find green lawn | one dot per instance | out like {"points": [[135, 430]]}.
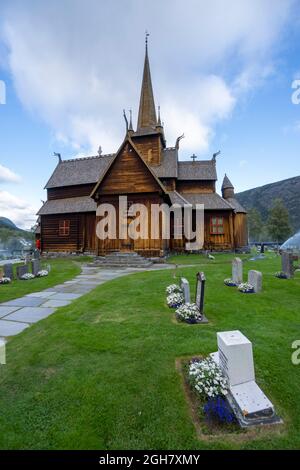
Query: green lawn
{"points": [[100, 373], [62, 269]]}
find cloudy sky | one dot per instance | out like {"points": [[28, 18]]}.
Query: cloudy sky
{"points": [[222, 73]]}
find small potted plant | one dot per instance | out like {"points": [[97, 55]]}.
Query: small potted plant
{"points": [[174, 300], [188, 313], [281, 275], [246, 288], [173, 289], [229, 282]]}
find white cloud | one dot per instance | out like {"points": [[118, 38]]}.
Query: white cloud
{"points": [[8, 176], [17, 210], [78, 64]]}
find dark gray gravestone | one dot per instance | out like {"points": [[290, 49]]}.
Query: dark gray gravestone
{"points": [[287, 264], [200, 289], [35, 266], [8, 271], [21, 270]]}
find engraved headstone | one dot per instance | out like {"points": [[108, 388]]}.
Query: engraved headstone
{"points": [[235, 358], [287, 264], [35, 266], [255, 279], [237, 271], [8, 271], [21, 270], [200, 289], [185, 286]]}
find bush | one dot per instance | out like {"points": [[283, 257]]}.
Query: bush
{"points": [[188, 313], [173, 289], [174, 300], [206, 377]]}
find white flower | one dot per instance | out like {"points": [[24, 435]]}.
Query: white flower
{"points": [[207, 378], [5, 280], [173, 289], [42, 273], [27, 276], [173, 300]]}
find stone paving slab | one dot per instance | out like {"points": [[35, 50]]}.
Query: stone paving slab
{"points": [[52, 303], [65, 296], [30, 314], [6, 310], [24, 302], [42, 294], [11, 328]]}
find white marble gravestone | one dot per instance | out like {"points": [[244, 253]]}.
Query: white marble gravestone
{"points": [[255, 279], [237, 271], [2, 352], [235, 358], [185, 286]]}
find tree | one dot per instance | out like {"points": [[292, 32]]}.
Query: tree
{"points": [[279, 226], [255, 224]]}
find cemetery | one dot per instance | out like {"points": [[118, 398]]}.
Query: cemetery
{"points": [[113, 362]]}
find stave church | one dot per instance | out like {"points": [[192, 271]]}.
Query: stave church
{"points": [[147, 171]]}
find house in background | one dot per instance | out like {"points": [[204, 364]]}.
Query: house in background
{"points": [[146, 171]]}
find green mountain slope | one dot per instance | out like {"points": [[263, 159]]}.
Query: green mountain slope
{"points": [[262, 197]]}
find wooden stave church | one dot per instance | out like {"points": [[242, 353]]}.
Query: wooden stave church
{"points": [[147, 171]]}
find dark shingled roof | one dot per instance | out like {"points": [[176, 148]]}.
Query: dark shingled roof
{"points": [[177, 198], [227, 183], [68, 205], [168, 166], [236, 205], [211, 201], [200, 170], [79, 171]]}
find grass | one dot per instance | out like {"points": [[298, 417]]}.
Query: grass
{"points": [[62, 269], [100, 373]]}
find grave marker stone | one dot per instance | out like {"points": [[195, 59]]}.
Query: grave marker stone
{"points": [[35, 266], [21, 270], [185, 286], [200, 289], [255, 279], [8, 271], [235, 358], [287, 264], [237, 271]]}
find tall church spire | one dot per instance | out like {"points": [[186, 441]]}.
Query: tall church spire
{"points": [[147, 115]]}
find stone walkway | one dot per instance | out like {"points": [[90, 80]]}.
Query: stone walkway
{"points": [[18, 314]]}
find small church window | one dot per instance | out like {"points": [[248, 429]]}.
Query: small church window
{"points": [[64, 228], [217, 225]]}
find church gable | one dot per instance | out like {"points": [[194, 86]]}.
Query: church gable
{"points": [[128, 173]]}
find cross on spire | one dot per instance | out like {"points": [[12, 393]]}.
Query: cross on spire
{"points": [[194, 157]]}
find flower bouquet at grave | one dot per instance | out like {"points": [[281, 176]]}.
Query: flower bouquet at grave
{"points": [[42, 273], [5, 280], [246, 288], [229, 282], [173, 289], [188, 313], [175, 300], [207, 379], [27, 277], [281, 275]]}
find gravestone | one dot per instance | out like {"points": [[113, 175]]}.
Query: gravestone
{"points": [[21, 270], [255, 279], [287, 264], [8, 271], [237, 271], [248, 402], [200, 289], [2, 351], [35, 266], [185, 286]]}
